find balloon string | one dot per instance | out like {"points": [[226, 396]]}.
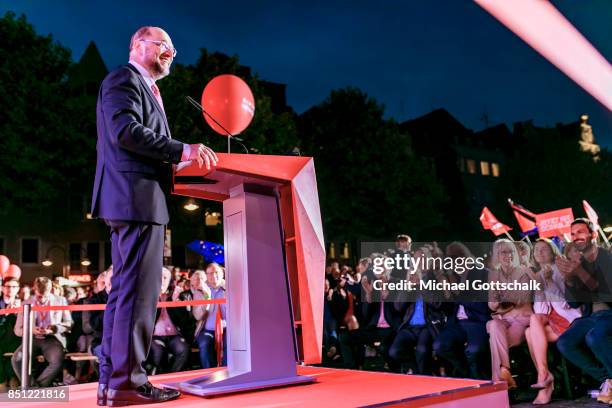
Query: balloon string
{"points": [[230, 136]]}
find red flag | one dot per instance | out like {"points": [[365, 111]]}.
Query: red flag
{"points": [[525, 223], [590, 212], [521, 209], [555, 223], [489, 222]]}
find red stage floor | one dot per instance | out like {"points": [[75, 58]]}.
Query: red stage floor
{"points": [[334, 388]]}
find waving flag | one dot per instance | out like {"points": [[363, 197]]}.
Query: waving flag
{"points": [[522, 210], [556, 222], [525, 223], [590, 212], [489, 222]]}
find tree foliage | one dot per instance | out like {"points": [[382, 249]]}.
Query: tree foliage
{"points": [[550, 172], [371, 186], [46, 135]]}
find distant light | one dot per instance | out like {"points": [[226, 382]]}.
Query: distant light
{"points": [[80, 278], [608, 229], [191, 206], [47, 262], [89, 216], [85, 262]]}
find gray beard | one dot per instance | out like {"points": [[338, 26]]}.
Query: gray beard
{"points": [[160, 71]]}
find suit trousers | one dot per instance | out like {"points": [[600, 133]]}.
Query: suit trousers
{"points": [[163, 346], [463, 344], [52, 350], [129, 317], [413, 344]]}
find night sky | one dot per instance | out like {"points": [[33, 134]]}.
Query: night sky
{"points": [[412, 56]]}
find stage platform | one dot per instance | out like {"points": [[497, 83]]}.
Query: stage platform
{"points": [[334, 388]]}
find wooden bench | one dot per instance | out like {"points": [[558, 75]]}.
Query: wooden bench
{"points": [[81, 357]]}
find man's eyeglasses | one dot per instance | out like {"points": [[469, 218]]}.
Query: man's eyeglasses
{"points": [[163, 46]]}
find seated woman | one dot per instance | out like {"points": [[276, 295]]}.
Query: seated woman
{"points": [[553, 314], [512, 309]]}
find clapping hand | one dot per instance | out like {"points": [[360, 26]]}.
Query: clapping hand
{"points": [[566, 266]]}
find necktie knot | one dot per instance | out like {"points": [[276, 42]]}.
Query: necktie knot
{"points": [[157, 95]]}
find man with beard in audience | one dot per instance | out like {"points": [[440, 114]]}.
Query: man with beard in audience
{"points": [[588, 341]]}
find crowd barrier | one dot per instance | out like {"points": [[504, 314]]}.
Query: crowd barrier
{"points": [[28, 310]]}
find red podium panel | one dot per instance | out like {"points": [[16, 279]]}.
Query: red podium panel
{"points": [[272, 228]]}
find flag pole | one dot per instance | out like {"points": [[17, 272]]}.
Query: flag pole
{"points": [[509, 236], [526, 237], [603, 235]]}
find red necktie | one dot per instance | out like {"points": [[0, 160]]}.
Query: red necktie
{"points": [[155, 90]]}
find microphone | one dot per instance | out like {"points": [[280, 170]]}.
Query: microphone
{"points": [[229, 135]]}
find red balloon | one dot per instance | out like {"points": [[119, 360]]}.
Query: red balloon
{"points": [[13, 271], [4, 264], [229, 100]]}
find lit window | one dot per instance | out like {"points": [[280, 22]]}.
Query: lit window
{"points": [[471, 166], [485, 170], [495, 169]]}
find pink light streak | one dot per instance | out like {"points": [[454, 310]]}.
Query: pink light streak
{"points": [[545, 29]]}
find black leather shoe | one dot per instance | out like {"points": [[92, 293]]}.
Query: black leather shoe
{"points": [[145, 394], [102, 389]]}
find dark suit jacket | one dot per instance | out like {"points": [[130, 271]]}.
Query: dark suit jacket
{"points": [[182, 318], [371, 313], [476, 311], [134, 150]]}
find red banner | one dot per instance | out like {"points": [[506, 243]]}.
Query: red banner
{"points": [[554, 223], [489, 222]]}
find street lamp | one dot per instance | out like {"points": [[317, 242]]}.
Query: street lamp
{"points": [[48, 262], [191, 205], [65, 267]]}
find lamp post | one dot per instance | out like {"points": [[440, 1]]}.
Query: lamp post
{"points": [[65, 264]]}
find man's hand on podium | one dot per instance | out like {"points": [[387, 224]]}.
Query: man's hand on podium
{"points": [[203, 154]]}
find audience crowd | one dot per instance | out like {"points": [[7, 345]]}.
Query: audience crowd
{"points": [[465, 334], [66, 345], [457, 334]]}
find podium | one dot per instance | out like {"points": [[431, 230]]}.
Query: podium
{"points": [[274, 265]]}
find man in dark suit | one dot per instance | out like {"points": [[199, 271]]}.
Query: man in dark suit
{"points": [[135, 150], [463, 343]]}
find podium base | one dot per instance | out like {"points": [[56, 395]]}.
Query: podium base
{"points": [[220, 382]]}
